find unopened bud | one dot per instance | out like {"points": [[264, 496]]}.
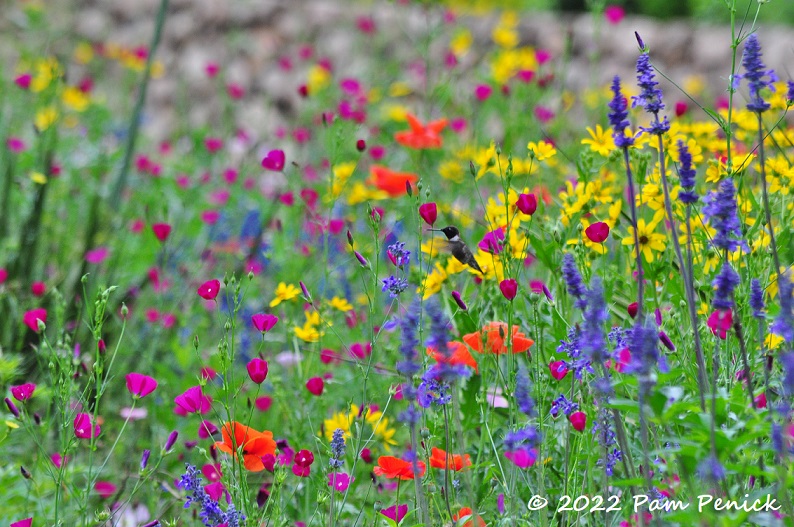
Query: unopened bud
{"points": [[459, 301], [169, 444], [12, 407], [363, 261], [305, 292]]}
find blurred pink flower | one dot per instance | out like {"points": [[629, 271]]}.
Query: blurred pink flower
{"points": [[98, 255], [614, 14]]}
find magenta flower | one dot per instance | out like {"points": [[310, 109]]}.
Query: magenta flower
{"points": [[527, 203], [340, 481], [491, 242], [214, 490], [3, 275], [257, 370], [27, 522], [213, 144], [482, 92], [33, 317], [193, 400], [23, 392], [614, 14], [38, 288], [274, 160], [161, 231], [578, 420], [509, 288], [558, 370], [315, 386], [212, 69], [24, 80], [58, 460], [207, 429], [264, 322], [15, 144], [303, 462], [428, 212], [98, 255], [395, 513], [523, 457], [209, 289], [140, 385], [597, 232], [83, 428], [720, 322], [263, 403], [105, 488]]}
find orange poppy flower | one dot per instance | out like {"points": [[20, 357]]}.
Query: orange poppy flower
{"points": [[458, 354], [465, 513], [389, 181], [494, 334], [420, 135], [441, 459], [253, 444], [394, 467]]}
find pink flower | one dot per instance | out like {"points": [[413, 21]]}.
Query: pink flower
{"points": [[428, 212], [264, 322], [31, 318], [38, 288], [523, 457], [257, 370], [274, 160], [212, 69], [491, 242], [760, 400], [15, 144], [98, 255], [27, 522], [23, 392], [3, 276], [681, 108], [235, 91], [215, 491], [105, 488], [482, 92], [527, 203], [213, 144], [509, 288], [720, 322], [525, 76], [211, 472], [558, 370], [578, 420], [597, 232], [83, 428], [395, 513], [614, 14], [209, 289], [193, 400], [58, 460], [340, 481], [315, 386], [23, 81], [543, 114], [210, 217], [140, 385], [161, 231], [263, 403], [207, 429]]}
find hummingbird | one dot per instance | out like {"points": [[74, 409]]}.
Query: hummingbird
{"points": [[458, 248]]}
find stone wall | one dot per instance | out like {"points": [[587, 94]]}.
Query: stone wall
{"points": [[247, 37]]}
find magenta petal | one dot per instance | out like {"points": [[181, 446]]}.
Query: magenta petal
{"points": [[395, 513], [429, 213], [264, 322], [274, 160], [27, 522], [214, 490], [491, 241], [191, 400], [23, 392], [140, 385], [523, 457]]}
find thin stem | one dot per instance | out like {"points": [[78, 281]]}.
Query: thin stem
{"points": [[637, 254], [767, 212]]}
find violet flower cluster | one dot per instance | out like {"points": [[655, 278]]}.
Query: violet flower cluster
{"points": [[606, 437], [686, 174], [211, 513], [721, 212], [783, 324], [756, 74], [650, 97], [618, 117], [337, 449], [724, 284]]}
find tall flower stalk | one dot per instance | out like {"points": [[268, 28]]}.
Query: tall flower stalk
{"points": [[650, 99]]}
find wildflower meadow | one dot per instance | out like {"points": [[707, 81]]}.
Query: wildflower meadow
{"points": [[443, 290]]}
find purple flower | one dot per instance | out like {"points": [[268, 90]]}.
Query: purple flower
{"points": [[725, 282], [756, 74], [522, 393], [145, 458], [686, 175], [790, 93], [576, 287], [757, 298], [592, 341], [710, 469], [394, 286], [720, 211], [650, 97], [337, 449], [618, 117], [605, 435], [784, 323], [645, 354], [562, 404], [787, 361]]}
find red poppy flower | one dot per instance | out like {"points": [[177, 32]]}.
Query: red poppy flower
{"points": [[465, 514], [392, 467], [494, 334], [252, 444], [421, 136], [389, 181], [441, 459], [457, 353]]}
